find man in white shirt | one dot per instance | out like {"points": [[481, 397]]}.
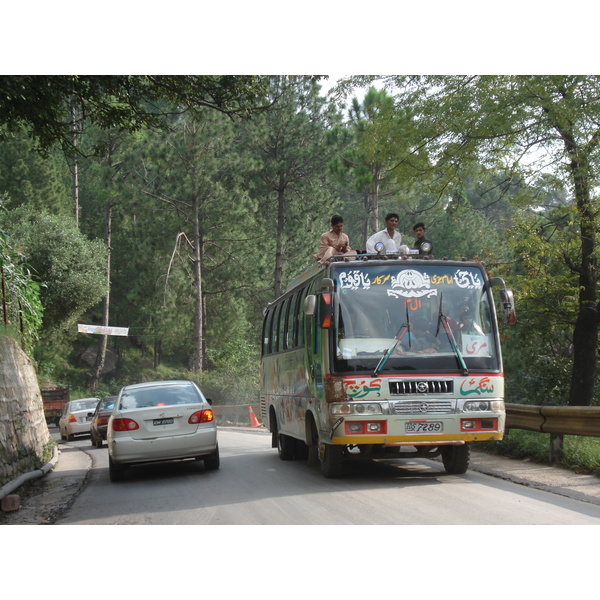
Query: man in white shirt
{"points": [[389, 236]]}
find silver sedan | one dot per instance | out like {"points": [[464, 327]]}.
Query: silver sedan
{"points": [[76, 417], [158, 421]]}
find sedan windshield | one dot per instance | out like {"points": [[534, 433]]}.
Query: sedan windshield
{"points": [[420, 318]]}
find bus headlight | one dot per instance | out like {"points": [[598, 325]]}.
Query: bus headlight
{"points": [[483, 405], [362, 408]]}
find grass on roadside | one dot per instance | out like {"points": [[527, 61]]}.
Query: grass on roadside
{"points": [[579, 454]]}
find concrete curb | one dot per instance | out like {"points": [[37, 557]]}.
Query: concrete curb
{"points": [[11, 486], [52, 495]]}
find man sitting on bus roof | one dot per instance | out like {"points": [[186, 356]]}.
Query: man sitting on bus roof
{"points": [[334, 242], [420, 239], [391, 239]]}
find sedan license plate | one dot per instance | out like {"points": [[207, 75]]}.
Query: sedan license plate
{"points": [[163, 421], [417, 427]]}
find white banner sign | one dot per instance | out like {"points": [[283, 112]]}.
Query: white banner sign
{"points": [[102, 330]]}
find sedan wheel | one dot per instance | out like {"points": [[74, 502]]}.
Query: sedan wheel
{"points": [[115, 472], [213, 461]]}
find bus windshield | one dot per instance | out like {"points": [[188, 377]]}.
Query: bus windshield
{"points": [[413, 318]]}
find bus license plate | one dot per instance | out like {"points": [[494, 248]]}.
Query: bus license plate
{"points": [[163, 421], [416, 427]]}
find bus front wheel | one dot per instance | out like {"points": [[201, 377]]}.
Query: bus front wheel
{"points": [[285, 446], [332, 460], [456, 459]]}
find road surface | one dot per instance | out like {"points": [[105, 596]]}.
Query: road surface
{"points": [[254, 487]]}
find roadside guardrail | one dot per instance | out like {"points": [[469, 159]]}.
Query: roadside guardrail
{"points": [[558, 421]]}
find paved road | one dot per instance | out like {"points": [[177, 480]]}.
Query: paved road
{"points": [[254, 487]]}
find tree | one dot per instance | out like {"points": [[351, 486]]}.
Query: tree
{"points": [[288, 144], [525, 123], [372, 163], [192, 177], [19, 293], [27, 178], [45, 104], [68, 267]]}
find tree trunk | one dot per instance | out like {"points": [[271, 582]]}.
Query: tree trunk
{"points": [[101, 355], [198, 310], [585, 334], [374, 199], [75, 165], [279, 239]]}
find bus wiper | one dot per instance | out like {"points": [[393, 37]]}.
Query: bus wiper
{"points": [[403, 329], [444, 321]]}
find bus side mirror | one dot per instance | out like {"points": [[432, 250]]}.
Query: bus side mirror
{"points": [[507, 302], [310, 305]]}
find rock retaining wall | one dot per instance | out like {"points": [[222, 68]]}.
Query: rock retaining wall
{"points": [[23, 430]]}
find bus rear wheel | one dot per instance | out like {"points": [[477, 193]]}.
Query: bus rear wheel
{"points": [[332, 461], [456, 459]]}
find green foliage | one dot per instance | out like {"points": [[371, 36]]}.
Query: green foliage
{"points": [[42, 104], [233, 380], [68, 268], [540, 350], [285, 150], [20, 294], [28, 178]]}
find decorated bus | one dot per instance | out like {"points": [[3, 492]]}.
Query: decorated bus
{"points": [[384, 358]]}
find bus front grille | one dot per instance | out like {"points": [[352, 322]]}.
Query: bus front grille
{"points": [[411, 407]]}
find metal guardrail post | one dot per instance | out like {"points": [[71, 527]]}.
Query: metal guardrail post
{"points": [[556, 447]]}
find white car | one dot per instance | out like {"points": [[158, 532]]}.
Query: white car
{"points": [[76, 417], [158, 421]]}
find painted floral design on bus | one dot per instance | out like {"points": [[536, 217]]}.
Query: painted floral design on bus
{"points": [[411, 284], [475, 385], [360, 388]]}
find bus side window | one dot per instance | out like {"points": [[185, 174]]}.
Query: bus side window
{"points": [[300, 316], [283, 324], [266, 345], [275, 330], [292, 328]]}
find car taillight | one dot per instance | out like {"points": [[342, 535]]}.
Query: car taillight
{"points": [[72, 419], [124, 425], [102, 420], [202, 416]]}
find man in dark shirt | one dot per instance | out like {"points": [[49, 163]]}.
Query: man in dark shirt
{"points": [[419, 231]]}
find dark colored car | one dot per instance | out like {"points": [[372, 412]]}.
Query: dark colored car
{"points": [[100, 420]]}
